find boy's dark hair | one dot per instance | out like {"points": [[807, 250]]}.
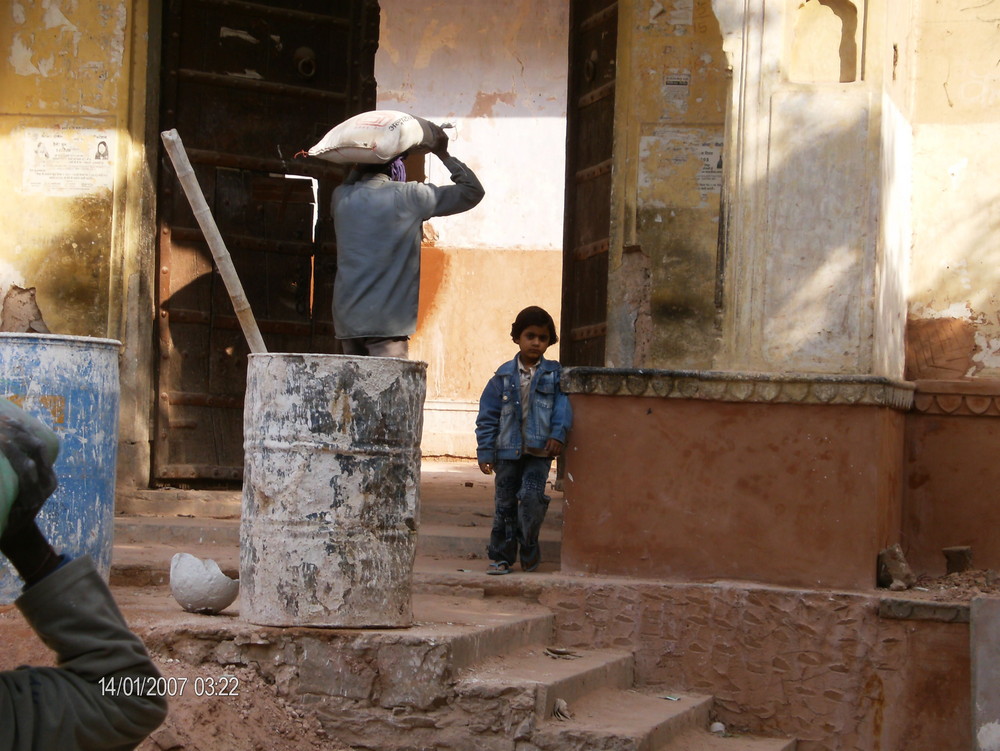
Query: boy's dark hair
{"points": [[533, 316]]}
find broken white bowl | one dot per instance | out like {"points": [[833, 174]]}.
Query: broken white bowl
{"points": [[199, 586]]}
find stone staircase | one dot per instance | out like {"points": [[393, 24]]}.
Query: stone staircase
{"points": [[511, 702], [480, 669], [472, 673]]}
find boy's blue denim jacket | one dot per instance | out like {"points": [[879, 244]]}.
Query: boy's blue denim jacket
{"points": [[498, 426]]}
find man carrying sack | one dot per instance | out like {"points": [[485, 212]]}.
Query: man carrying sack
{"points": [[378, 219]]}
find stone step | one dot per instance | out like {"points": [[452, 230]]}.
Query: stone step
{"points": [[176, 530], [632, 720], [611, 719], [190, 534], [368, 669], [702, 740], [492, 638], [226, 505], [540, 679], [458, 541]]}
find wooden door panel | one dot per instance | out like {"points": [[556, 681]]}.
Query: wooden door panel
{"points": [[247, 86], [590, 139], [592, 217]]}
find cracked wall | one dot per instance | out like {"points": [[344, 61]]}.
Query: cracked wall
{"points": [[64, 76]]}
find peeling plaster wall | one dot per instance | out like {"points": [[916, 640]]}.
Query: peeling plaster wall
{"points": [[956, 247], [670, 108], [77, 203], [63, 78], [498, 71]]}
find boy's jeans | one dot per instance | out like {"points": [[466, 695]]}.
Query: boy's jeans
{"points": [[521, 504]]}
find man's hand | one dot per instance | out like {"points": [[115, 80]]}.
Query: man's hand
{"points": [[486, 468], [553, 447], [35, 479], [439, 147]]}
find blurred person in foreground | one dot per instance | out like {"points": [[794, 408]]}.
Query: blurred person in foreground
{"points": [[83, 703]]}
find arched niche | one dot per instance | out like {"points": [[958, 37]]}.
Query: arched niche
{"points": [[825, 43]]}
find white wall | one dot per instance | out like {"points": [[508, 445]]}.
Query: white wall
{"points": [[498, 71]]}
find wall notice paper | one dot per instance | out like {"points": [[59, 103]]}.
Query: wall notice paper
{"points": [[682, 159], [69, 162]]}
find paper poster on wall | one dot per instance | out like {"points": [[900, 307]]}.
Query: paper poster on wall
{"points": [[682, 163], [677, 89], [68, 162]]}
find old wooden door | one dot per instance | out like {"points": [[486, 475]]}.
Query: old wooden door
{"points": [[590, 111], [247, 86]]}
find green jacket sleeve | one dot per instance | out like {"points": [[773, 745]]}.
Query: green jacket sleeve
{"points": [[68, 707]]}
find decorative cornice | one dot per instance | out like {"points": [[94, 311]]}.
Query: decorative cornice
{"points": [[958, 398], [740, 387]]}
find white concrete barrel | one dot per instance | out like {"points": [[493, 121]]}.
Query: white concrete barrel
{"points": [[331, 490]]}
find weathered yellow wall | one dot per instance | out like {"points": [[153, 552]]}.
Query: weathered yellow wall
{"points": [[64, 83], [78, 228], [955, 279], [670, 109]]}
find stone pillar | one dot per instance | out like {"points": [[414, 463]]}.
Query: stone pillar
{"points": [[809, 284]]}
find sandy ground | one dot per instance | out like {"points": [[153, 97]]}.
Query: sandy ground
{"points": [[246, 714], [959, 587]]}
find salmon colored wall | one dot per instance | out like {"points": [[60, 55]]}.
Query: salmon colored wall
{"points": [[952, 474], [826, 668], [797, 495]]}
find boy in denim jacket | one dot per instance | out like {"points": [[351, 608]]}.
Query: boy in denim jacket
{"points": [[522, 424]]}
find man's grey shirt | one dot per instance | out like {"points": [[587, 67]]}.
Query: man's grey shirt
{"points": [[379, 228]]}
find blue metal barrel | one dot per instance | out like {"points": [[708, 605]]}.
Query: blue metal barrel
{"points": [[70, 383]]}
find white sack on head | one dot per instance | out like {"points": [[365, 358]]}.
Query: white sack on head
{"points": [[374, 137]]}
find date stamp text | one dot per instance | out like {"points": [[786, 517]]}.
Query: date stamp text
{"points": [[144, 685]]}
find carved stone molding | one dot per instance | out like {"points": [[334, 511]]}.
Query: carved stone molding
{"points": [[959, 398], [740, 387]]}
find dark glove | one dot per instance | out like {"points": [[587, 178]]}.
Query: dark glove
{"points": [[35, 479], [22, 542]]}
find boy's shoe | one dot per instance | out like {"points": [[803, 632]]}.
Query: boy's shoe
{"points": [[532, 566], [498, 568]]}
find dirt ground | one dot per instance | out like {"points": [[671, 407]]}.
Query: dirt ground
{"points": [[249, 717], [256, 719], [958, 587]]}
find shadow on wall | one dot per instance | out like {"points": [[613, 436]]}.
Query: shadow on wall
{"points": [[811, 282], [65, 278]]}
